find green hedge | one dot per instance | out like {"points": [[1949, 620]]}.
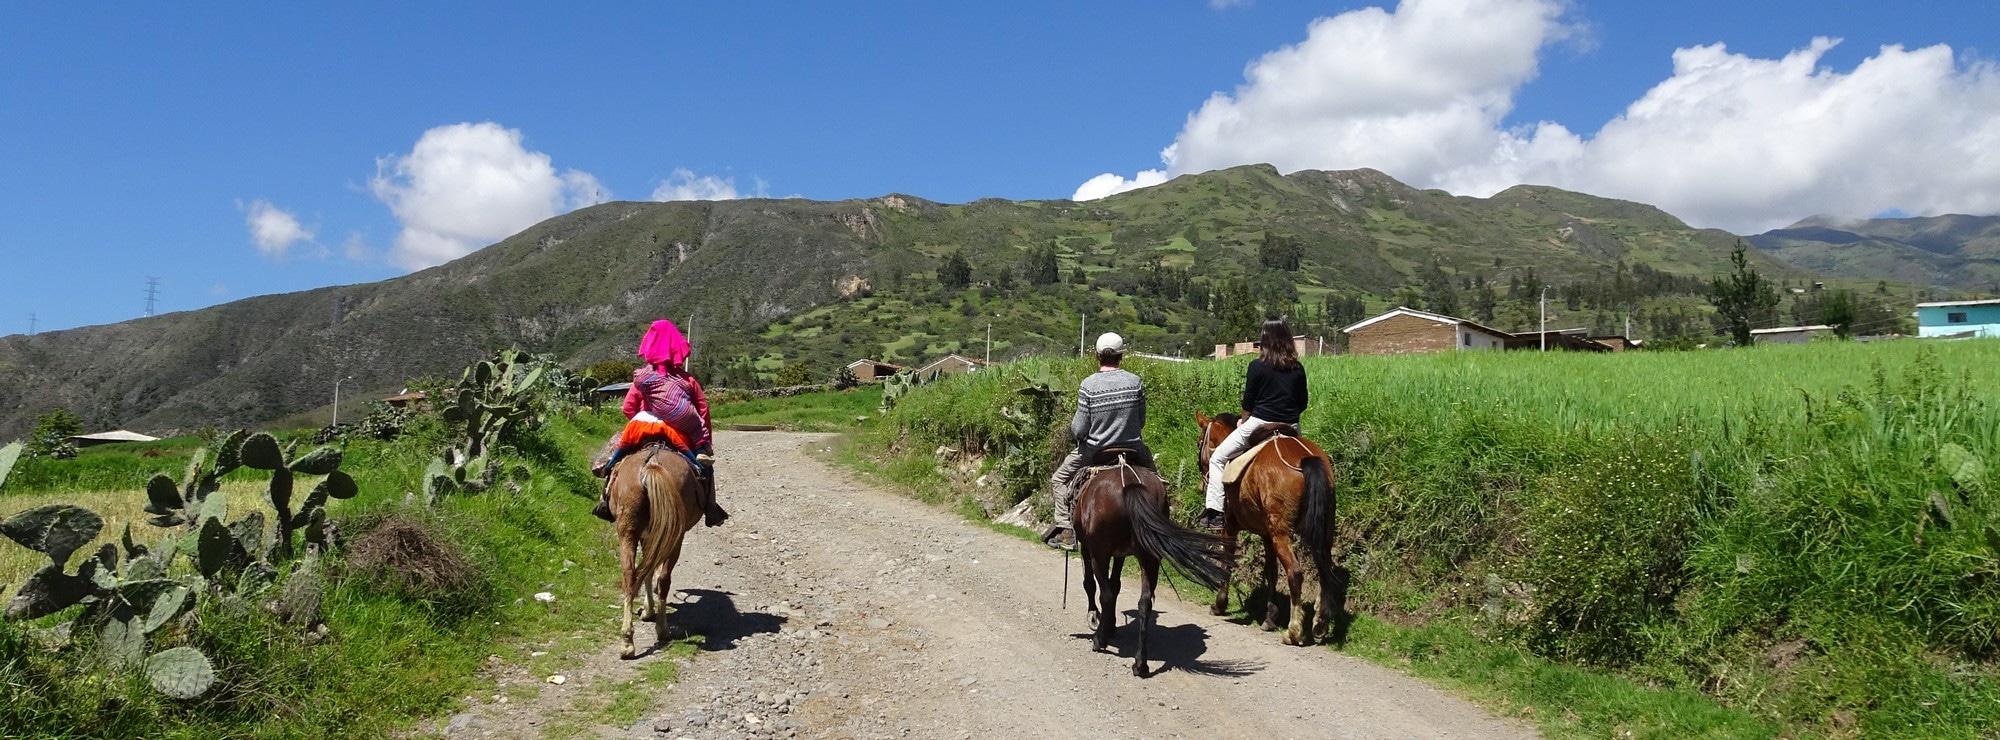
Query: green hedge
{"points": [[1810, 532]]}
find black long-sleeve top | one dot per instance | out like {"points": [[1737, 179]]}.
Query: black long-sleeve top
{"points": [[1274, 395]]}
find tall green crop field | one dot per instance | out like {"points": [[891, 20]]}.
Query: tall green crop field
{"points": [[1810, 532]]}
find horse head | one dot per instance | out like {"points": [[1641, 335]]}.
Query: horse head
{"points": [[1214, 429]]}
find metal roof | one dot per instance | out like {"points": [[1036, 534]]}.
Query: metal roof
{"points": [[115, 435], [1947, 304]]}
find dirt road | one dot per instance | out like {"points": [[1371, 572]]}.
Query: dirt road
{"points": [[833, 609]]}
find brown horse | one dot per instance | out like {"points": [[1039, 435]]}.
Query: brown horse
{"points": [[1286, 493], [654, 499], [1121, 511]]}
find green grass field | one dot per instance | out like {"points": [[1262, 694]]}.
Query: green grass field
{"points": [[1809, 534]]}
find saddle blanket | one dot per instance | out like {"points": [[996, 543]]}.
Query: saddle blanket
{"points": [[1234, 470]]}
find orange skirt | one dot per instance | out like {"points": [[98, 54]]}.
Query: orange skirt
{"points": [[637, 433]]}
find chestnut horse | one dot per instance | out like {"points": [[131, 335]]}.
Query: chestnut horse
{"points": [[1121, 511], [1286, 493], [655, 503]]}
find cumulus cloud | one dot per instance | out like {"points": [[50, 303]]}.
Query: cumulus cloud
{"points": [[467, 185], [274, 230], [1423, 92], [356, 248], [684, 184], [1111, 184], [1226, 4]]}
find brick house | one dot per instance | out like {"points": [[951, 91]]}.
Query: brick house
{"points": [[1406, 330], [952, 363], [1303, 344], [870, 371]]}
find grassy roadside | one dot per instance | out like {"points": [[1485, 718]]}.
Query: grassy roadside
{"points": [[1562, 701], [394, 652], [832, 411]]}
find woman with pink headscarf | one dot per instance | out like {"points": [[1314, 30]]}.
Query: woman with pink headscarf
{"points": [[665, 403]]}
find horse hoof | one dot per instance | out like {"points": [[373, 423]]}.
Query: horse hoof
{"points": [[1268, 626], [1139, 669], [1218, 611], [628, 653], [1299, 640], [1093, 621]]}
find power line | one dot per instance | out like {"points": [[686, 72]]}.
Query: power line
{"points": [[152, 293]]}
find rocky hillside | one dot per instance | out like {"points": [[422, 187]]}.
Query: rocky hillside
{"points": [[772, 283]]}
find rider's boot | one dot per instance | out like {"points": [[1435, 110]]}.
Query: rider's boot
{"points": [[1210, 520], [603, 510], [1060, 537], [712, 514]]}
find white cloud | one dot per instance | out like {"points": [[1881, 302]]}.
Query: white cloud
{"points": [[273, 229], [1110, 184], [467, 185], [1422, 93], [684, 184], [356, 248], [1226, 4]]}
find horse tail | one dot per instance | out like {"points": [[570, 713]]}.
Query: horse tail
{"points": [[1314, 524], [663, 513], [1195, 553]]}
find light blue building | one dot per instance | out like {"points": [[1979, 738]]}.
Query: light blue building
{"points": [[1952, 318]]}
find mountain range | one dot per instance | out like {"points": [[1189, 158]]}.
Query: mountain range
{"points": [[764, 284]]}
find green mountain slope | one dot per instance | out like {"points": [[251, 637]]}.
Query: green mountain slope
{"points": [[1954, 251], [766, 283]]}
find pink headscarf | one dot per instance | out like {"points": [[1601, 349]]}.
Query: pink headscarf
{"points": [[664, 345]]}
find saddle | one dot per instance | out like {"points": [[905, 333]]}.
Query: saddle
{"points": [[1261, 438]]}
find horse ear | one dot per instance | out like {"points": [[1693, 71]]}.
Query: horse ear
{"points": [[1200, 418]]}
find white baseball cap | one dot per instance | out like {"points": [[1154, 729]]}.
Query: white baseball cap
{"points": [[1110, 342]]}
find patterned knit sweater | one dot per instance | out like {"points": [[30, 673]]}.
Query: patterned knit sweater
{"points": [[1110, 412]]}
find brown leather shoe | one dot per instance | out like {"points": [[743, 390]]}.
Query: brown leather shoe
{"points": [[1060, 537]]}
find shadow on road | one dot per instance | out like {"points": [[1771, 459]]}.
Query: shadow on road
{"points": [[1176, 647], [713, 615]]}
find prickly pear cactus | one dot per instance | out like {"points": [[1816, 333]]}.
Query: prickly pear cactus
{"points": [[9, 455], [182, 672], [56, 530]]}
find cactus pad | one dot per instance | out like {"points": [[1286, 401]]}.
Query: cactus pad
{"points": [[56, 530], [261, 451], [318, 462], [182, 672]]}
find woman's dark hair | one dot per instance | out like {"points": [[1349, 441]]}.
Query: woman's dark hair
{"points": [[1275, 347]]}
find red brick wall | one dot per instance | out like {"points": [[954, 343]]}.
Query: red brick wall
{"points": [[1398, 335]]}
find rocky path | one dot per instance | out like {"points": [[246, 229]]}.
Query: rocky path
{"points": [[832, 609]]}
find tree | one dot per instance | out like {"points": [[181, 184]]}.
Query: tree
{"points": [[1741, 297], [796, 372], [1484, 302], [1838, 310], [1005, 280], [1440, 296], [1043, 267], [955, 273], [52, 433], [1280, 252]]}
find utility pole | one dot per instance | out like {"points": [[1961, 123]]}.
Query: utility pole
{"points": [[152, 293], [989, 342], [1081, 319], [31, 324], [1543, 330]]}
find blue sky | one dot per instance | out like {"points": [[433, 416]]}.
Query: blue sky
{"points": [[142, 140]]}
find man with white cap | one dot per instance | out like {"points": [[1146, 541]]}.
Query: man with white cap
{"points": [[1110, 414]]}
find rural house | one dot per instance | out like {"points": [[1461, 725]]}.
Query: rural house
{"points": [[105, 438], [1303, 344], [1789, 334], [1954, 318], [951, 363], [1564, 340], [870, 371], [1406, 330]]}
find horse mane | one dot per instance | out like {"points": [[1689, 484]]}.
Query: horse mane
{"points": [[1228, 417]]}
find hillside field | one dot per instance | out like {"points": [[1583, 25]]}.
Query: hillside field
{"points": [[1810, 533]]}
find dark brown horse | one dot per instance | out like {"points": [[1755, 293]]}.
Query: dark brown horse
{"points": [[1285, 495], [655, 502], [1122, 511]]}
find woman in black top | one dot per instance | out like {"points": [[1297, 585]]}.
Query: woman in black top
{"points": [[1274, 391]]}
